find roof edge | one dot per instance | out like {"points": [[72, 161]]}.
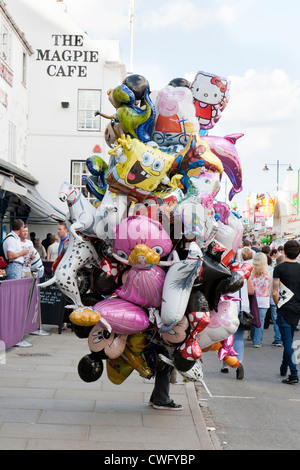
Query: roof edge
{"points": [[16, 29], [12, 170]]}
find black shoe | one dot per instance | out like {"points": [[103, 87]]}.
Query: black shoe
{"points": [[240, 372], [168, 406], [224, 370], [283, 371], [292, 379]]}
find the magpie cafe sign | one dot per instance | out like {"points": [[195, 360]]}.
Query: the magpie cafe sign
{"points": [[70, 59]]}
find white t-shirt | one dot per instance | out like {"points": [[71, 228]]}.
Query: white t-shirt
{"points": [[13, 244], [27, 245], [53, 251], [245, 299], [271, 269]]}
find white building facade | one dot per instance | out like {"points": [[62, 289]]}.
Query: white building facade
{"points": [[69, 75], [15, 53]]}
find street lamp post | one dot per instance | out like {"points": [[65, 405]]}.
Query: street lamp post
{"points": [[277, 164]]}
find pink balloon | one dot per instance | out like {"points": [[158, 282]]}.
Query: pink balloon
{"points": [[124, 317], [143, 286], [227, 348], [140, 229], [224, 149]]}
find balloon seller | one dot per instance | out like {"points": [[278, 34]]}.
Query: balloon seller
{"points": [[153, 287]]}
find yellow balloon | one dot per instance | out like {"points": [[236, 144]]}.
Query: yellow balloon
{"points": [[138, 363], [85, 316], [137, 342], [139, 169], [142, 254], [118, 370], [232, 361]]}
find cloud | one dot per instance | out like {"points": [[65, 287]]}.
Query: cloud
{"points": [[262, 97], [100, 19], [188, 15]]}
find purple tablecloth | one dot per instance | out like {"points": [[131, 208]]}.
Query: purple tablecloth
{"points": [[14, 321]]}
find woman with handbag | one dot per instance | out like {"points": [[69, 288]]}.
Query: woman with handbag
{"points": [[262, 282]]}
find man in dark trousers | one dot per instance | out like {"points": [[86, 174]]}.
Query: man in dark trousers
{"points": [[286, 295]]}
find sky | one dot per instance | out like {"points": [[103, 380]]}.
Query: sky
{"points": [[253, 43]]}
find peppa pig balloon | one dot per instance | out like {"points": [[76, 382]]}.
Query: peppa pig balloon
{"points": [[175, 116]]}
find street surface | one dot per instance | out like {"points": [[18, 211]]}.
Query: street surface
{"points": [[258, 412]]}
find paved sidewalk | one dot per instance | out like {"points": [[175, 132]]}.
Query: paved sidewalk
{"points": [[44, 405]]}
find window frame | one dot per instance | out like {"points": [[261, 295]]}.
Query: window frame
{"points": [[81, 110], [82, 187]]}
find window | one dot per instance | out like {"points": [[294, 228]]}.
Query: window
{"points": [[89, 101], [78, 170], [5, 44], [12, 143]]}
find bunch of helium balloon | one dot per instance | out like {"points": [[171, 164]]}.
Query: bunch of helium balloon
{"points": [[157, 270]]}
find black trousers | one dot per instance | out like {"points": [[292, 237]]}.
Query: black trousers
{"points": [[160, 394]]}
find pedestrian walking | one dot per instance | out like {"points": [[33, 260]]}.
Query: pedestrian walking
{"points": [[262, 282], [273, 313], [286, 295]]}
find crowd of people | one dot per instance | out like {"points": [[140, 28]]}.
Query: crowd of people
{"points": [[19, 249], [270, 294], [274, 283]]}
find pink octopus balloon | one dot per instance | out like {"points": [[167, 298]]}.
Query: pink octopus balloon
{"points": [[143, 286], [124, 317], [141, 242]]}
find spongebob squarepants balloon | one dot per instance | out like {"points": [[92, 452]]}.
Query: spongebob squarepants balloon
{"points": [[139, 168]]}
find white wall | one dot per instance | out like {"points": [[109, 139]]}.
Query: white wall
{"points": [[53, 139], [14, 101]]}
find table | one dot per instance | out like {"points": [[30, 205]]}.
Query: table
{"points": [[17, 319]]}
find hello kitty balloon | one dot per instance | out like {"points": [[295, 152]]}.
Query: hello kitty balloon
{"points": [[210, 94]]}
